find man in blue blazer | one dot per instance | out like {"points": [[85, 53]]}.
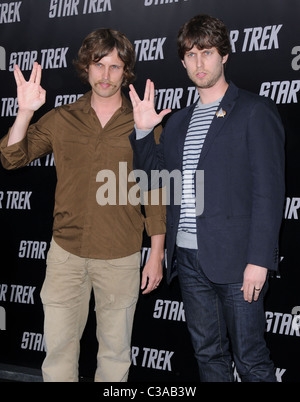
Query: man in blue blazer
{"points": [[222, 253]]}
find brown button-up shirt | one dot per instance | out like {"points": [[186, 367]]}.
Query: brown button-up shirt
{"points": [[82, 148]]}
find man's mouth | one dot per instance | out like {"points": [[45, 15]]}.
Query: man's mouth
{"points": [[104, 84], [200, 75]]}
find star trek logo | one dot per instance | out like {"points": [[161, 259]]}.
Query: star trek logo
{"points": [[159, 2], [10, 12], [292, 206], [221, 113]]}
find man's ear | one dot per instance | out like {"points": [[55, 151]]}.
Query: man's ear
{"points": [[225, 58]]}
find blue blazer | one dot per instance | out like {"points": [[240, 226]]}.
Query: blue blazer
{"points": [[243, 163]]}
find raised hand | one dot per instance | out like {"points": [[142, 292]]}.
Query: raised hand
{"points": [[145, 116], [31, 96]]}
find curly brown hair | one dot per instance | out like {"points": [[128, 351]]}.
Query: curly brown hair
{"points": [[204, 32], [99, 44]]}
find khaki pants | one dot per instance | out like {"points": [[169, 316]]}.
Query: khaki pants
{"points": [[65, 295]]}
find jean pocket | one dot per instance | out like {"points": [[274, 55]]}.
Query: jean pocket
{"points": [[56, 254]]}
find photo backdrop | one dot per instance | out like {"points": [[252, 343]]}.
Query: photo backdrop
{"points": [[265, 59]]}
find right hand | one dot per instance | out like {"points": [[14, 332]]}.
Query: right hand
{"points": [[145, 116], [31, 96]]}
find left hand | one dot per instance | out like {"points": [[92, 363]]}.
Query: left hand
{"points": [[254, 280], [145, 116], [152, 273]]}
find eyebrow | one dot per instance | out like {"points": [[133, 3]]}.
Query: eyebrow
{"points": [[201, 49], [112, 64]]}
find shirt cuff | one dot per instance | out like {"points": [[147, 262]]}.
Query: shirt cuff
{"points": [[141, 133], [13, 156], [155, 225]]}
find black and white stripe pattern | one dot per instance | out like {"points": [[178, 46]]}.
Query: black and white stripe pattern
{"points": [[198, 128]]}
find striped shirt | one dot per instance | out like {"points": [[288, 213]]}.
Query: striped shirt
{"points": [[195, 137]]}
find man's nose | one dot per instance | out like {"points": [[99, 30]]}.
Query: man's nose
{"points": [[105, 73], [199, 60]]}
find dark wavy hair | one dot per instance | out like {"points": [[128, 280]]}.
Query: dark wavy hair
{"points": [[99, 44], [204, 32]]}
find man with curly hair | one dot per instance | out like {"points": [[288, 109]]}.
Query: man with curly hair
{"points": [[96, 244]]}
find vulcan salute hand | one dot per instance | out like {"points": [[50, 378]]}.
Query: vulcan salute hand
{"points": [[144, 113], [31, 96]]}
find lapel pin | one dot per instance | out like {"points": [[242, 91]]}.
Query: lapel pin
{"points": [[221, 113]]}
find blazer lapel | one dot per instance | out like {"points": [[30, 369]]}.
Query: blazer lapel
{"points": [[182, 131], [217, 123]]}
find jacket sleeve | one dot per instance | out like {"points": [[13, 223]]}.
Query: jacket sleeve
{"points": [[154, 197], [146, 152], [265, 135]]}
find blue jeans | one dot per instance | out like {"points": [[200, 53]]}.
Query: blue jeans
{"points": [[223, 325]]}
